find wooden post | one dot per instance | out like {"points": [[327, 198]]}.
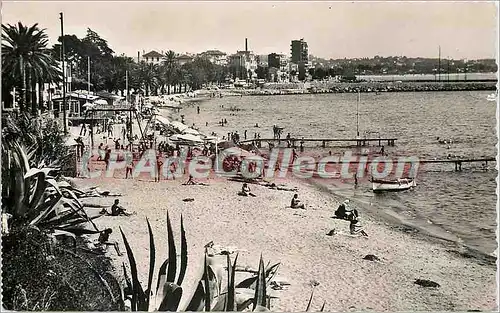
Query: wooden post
{"points": [[92, 130], [379, 142], [324, 144]]}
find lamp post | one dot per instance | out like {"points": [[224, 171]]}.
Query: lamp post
{"points": [[63, 73]]}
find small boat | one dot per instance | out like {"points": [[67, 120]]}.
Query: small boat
{"points": [[380, 185]]}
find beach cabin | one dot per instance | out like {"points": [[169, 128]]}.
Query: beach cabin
{"points": [[75, 103]]}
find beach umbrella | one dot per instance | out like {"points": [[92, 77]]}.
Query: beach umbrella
{"points": [[189, 137], [178, 125], [162, 120], [190, 131], [101, 102], [237, 151]]}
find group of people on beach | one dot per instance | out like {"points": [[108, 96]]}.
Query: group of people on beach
{"points": [[345, 212]]}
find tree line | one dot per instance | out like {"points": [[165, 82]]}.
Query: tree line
{"points": [[28, 61]]}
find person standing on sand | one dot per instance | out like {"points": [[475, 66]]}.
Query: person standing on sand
{"points": [[159, 163], [198, 109], [107, 156], [129, 166]]}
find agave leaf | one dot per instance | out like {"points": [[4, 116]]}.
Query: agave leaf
{"points": [[172, 294], [260, 288], [251, 281], [47, 208], [310, 301], [53, 183], [34, 175], [127, 279], [230, 283], [23, 157], [172, 254], [162, 274], [323, 307], [197, 300], [138, 297], [184, 256], [152, 253], [220, 304], [18, 188], [77, 231], [242, 304], [260, 308], [206, 282]]}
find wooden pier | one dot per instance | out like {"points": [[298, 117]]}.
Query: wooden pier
{"points": [[360, 142], [458, 162]]}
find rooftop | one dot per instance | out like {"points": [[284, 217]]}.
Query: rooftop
{"points": [[153, 54]]}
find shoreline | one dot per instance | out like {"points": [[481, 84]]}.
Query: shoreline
{"points": [[425, 230], [363, 87]]}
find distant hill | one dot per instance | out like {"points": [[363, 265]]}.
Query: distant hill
{"points": [[401, 65]]}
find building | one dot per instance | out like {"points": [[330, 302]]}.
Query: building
{"points": [[300, 56], [215, 56], [184, 58], [262, 60], [273, 60], [152, 57], [299, 51]]}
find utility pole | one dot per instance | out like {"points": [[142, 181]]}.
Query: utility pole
{"points": [[88, 77], [439, 64], [448, 71], [63, 72]]}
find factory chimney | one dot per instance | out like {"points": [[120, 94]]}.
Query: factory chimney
{"points": [[246, 44]]}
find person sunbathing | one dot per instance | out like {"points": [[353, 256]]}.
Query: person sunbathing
{"points": [[117, 210], [276, 187], [191, 181], [104, 240], [356, 228], [245, 191], [295, 204]]}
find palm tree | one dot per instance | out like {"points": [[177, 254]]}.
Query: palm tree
{"points": [[26, 59], [170, 64], [147, 75]]}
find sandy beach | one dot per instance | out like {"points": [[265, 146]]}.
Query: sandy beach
{"points": [[297, 239]]}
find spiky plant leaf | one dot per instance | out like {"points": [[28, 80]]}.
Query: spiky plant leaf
{"points": [[152, 253], [310, 301], [172, 254], [172, 294], [138, 297], [197, 301], [260, 288], [206, 281], [323, 307], [184, 255], [162, 278], [230, 284]]}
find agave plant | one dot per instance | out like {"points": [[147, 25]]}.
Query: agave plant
{"points": [[32, 197], [208, 294]]}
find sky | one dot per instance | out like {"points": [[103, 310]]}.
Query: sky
{"points": [[464, 30]]}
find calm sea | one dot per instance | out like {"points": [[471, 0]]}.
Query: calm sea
{"points": [[459, 206]]}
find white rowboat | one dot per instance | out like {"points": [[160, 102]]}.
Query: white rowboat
{"points": [[379, 185]]}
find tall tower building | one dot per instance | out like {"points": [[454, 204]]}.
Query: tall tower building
{"points": [[300, 52]]}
